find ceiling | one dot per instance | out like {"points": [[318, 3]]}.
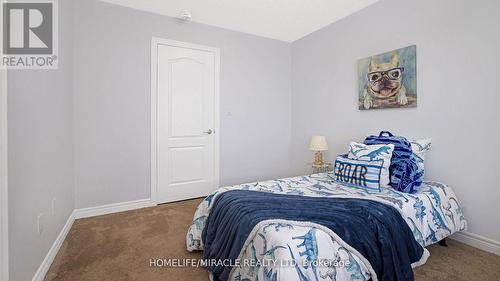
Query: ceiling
{"points": [[286, 20]]}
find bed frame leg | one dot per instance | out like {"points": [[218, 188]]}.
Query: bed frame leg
{"points": [[443, 243]]}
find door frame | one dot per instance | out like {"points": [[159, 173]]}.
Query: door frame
{"points": [[4, 208], [155, 42]]}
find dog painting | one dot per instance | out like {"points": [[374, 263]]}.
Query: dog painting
{"points": [[388, 80]]}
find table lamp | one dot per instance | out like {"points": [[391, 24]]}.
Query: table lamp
{"points": [[318, 144]]}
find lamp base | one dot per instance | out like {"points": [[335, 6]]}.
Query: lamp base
{"points": [[318, 158]]}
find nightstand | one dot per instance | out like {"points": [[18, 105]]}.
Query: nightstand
{"points": [[323, 168]]}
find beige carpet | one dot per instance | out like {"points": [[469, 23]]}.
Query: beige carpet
{"points": [[120, 246]]}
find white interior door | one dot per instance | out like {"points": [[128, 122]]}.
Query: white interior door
{"points": [[187, 88]]}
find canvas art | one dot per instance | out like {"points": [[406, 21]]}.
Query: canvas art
{"points": [[388, 80]]}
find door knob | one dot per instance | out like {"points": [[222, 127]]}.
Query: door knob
{"points": [[209, 131]]}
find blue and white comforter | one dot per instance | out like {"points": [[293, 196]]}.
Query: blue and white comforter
{"points": [[432, 214]]}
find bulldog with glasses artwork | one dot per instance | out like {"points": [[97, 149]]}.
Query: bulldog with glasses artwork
{"points": [[388, 80]]}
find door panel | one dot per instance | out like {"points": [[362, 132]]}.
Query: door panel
{"points": [[186, 165], [187, 98]]}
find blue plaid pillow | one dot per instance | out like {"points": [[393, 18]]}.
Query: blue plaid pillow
{"points": [[358, 173], [406, 175]]}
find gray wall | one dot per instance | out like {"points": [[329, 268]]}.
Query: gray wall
{"points": [[40, 120], [112, 97], [458, 65]]}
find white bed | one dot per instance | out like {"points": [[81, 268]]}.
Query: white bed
{"points": [[432, 214]]}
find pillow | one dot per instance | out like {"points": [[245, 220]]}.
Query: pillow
{"points": [[360, 151], [358, 173], [406, 175], [419, 148]]}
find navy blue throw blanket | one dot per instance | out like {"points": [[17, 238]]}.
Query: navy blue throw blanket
{"points": [[374, 229]]}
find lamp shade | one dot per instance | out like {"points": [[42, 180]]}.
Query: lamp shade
{"points": [[318, 143]]}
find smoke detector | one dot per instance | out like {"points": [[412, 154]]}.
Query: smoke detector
{"points": [[184, 16]]}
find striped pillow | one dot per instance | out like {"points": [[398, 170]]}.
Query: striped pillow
{"points": [[358, 173], [361, 151]]}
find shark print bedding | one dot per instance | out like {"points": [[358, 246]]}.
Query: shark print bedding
{"points": [[432, 214]]}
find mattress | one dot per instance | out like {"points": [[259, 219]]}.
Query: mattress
{"points": [[432, 214]]}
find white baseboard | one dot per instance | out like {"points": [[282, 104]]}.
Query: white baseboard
{"points": [[112, 208], [477, 241], [49, 258]]}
